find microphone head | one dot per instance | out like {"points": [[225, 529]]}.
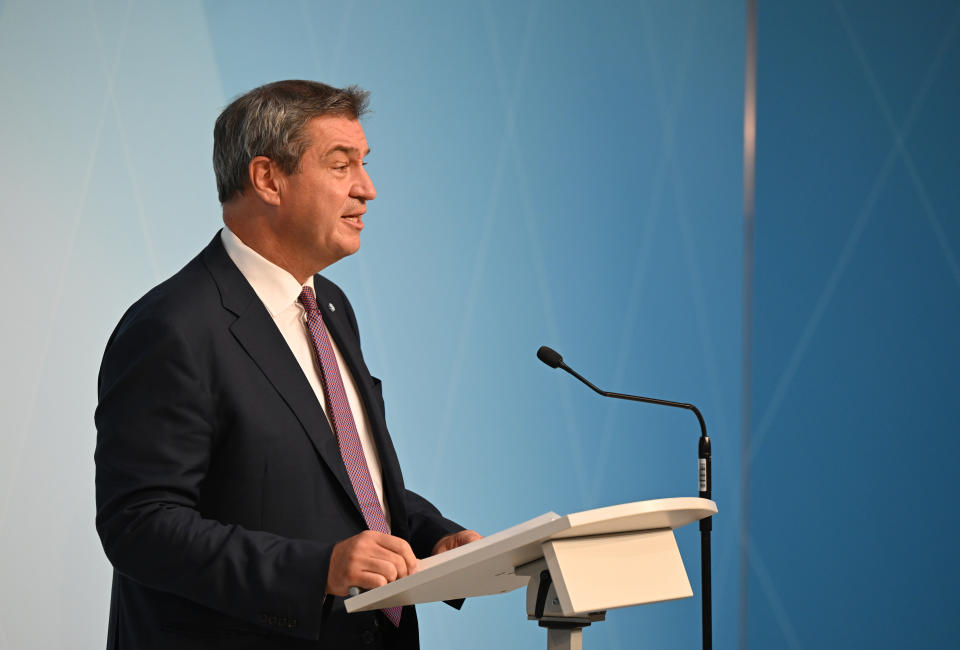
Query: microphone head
{"points": [[549, 356]]}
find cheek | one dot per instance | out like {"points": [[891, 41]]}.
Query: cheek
{"points": [[330, 202]]}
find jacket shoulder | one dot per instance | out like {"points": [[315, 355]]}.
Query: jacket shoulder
{"points": [[184, 297]]}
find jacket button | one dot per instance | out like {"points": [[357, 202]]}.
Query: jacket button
{"points": [[367, 637]]}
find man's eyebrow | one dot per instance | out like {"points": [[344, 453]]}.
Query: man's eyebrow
{"points": [[350, 151]]}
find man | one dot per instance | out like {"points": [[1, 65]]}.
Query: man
{"points": [[245, 476]]}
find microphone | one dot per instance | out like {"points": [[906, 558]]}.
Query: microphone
{"points": [[553, 359], [550, 357]]}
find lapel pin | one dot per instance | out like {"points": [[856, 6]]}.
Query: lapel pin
{"points": [[330, 305]]}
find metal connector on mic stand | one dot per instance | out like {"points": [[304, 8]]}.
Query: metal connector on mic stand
{"points": [[553, 359]]}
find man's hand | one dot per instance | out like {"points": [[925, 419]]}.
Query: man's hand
{"points": [[369, 560], [451, 542]]}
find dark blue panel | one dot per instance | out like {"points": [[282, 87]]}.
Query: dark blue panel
{"points": [[857, 309]]}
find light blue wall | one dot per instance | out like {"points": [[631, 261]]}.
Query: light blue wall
{"points": [[857, 312], [548, 173]]}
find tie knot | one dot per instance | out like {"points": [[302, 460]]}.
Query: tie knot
{"points": [[308, 300]]}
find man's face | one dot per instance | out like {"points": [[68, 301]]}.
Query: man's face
{"points": [[322, 205]]}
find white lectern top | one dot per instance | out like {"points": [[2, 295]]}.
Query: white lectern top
{"points": [[487, 565]]}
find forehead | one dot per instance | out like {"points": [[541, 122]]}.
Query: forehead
{"points": [[332, 133]]}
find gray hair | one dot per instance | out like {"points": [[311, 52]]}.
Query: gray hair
{"points": [[271, 121]]}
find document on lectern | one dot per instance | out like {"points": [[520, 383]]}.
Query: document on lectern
{"points": [[487, 566]]}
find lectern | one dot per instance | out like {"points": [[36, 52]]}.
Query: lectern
{"points": [[575, 567]]}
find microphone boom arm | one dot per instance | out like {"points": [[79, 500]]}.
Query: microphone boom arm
{"points": [[638, 398]]}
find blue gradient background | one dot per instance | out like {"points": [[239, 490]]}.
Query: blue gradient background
{"points": [[548, 173]]}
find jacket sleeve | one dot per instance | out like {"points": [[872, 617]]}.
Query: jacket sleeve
{"points": [[427, 527], [426, 524], [155, 434]]}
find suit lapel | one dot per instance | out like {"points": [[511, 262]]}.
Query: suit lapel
{"points": [[256, 332]]}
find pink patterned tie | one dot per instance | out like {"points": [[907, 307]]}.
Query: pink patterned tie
{"points": [[344, 426]]}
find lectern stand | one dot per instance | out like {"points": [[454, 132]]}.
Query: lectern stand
{"points": [[575, 567]]}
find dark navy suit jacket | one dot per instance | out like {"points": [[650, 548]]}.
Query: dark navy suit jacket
{"points": [[220, 487]]}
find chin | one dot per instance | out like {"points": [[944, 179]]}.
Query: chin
{"points": [[347, 250], [352, 247]]}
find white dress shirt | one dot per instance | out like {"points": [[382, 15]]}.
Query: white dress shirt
{"points": [[279, 292]]}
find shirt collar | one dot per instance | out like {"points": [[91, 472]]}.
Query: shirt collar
{"points": [[275, 287]]}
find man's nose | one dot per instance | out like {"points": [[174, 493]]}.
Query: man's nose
{"points": [[363, 188]]}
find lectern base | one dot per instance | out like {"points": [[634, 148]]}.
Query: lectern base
{"points": [[543, 606], [565, 639]]}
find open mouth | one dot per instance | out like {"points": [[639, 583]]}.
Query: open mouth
{"points": [[354, 219]]}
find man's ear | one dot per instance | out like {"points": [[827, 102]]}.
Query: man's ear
{"points": [[265, 179]]}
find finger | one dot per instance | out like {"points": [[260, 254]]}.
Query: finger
{"points": [[398, 568], [455, 540], [369, 573], [401, 548], [468, 536], [384, 554], [370, 580], [383, 567]]}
